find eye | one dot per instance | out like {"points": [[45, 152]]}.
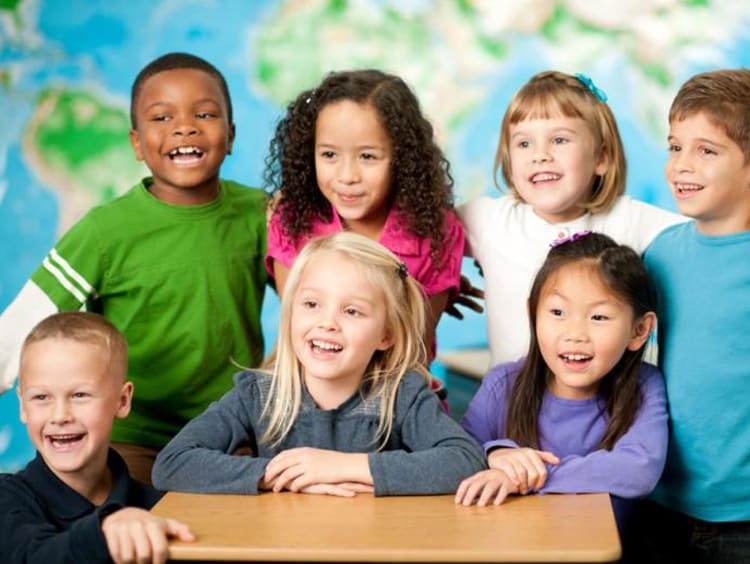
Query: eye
{"points": [[205, 115], [560, 140], [707, 151], [368, 156], [309, 304], [161, 117], [600, 317], [80, 395], [39, 397], [674, 148], [523, 144], [353, 312], [555, 312], [327, 154]]}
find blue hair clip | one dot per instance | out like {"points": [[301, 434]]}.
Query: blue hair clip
{"points": [[593, 88], [577, 236]]}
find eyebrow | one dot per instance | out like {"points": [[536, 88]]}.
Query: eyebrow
{"points": [[556, 130], [195, 103]]}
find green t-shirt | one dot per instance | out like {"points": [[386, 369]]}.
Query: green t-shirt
{"points": [[184, 284]]}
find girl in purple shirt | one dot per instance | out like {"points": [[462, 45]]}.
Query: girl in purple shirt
{"points": [[356, 154], [582, 412]]}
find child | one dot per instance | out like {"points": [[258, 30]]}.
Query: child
{"points": [[176, 263], [702, 271], [355, 153], [582, 412], [562, 159], [75, 502], [346, 407]]}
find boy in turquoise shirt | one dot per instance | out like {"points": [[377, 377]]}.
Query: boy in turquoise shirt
{"points": [[176, 263], [700, 510]]}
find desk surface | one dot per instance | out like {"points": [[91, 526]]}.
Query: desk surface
{"points": [[299, 527]]}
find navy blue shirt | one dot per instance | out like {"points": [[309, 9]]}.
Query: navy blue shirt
{"points": [[44, 520]]}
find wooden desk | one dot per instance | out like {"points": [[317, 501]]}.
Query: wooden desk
{"points": [[312, 528]]}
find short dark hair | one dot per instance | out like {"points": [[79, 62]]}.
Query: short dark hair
{"points": [[724, 96], [174, 61]]}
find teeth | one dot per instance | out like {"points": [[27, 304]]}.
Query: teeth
{"points": [[185, 151], [327, 346], [576, 357], [688, 187], [544, 177]]}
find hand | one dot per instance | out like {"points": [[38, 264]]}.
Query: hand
{"points": [[465, 297], [485, 486], [344, 489], [135, 535], [297, 468], [525, 466]]}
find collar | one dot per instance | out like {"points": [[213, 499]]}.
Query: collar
{"points": [[64, 502], [394, 235]]}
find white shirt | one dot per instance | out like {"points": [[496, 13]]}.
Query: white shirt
{"points": [[510, 242]]}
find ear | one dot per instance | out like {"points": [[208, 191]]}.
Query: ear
{"points": [[124, 400], [22, 409], [232, 133], [603, 165], [386, 342], [135, 142], [642, 328]]}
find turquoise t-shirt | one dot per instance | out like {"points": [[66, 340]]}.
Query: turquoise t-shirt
{"points": [[704, 344], [184, 284]]}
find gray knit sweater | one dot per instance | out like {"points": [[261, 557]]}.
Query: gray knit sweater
{"points": [[427, 452]]}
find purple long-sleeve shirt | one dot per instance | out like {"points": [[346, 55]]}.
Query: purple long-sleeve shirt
{"points": [[572, 430]]}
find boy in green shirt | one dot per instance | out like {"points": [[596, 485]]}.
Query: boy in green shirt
{"points": [[176, 263]]}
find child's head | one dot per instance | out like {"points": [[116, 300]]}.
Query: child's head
{"points": [[181, 118], [72, 386], [560, 150], [591, 310], [709, 142], [358, 145], [351, 319]]}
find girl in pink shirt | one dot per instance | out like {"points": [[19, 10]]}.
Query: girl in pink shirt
{"points": [[356, 154]]}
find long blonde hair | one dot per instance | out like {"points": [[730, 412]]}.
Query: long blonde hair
{"points": [[405, 323], [552, 93]]}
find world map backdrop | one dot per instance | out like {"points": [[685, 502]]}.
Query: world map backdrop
{"points": [[66, 67]]}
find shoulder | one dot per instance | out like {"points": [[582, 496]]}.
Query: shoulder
{"points": [[650, 377], [126, 204], [485, 205], [671, 236], [16, 492], [501, 377], [256, 383], [251, 196]]}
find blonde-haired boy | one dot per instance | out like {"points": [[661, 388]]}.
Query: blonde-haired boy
{"points": [[76, 502]]}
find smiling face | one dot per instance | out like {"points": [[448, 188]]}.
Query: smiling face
{"points": [[709, 176], [353, 155], [336, 327], [583, 329], [553, 165], [183, 134], [69, 399]]}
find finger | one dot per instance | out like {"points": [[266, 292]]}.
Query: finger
{"points": [[284, 479], [461, 491], [179, 530], [474, 489], [141, 542], [126, 547], [453, 312], [548, 457], [502, 493], [358, 487], [156, 549], [488, 492]]}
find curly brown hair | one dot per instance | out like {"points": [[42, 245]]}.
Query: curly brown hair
{"points": [[421, 183]]}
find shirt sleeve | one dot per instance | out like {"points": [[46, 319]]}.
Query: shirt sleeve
{"points": [[448, 275], [633, 466], [27, 309], [27, 536], [473, 217], [484, 419], [199, 458], [433, 454], [280, 248]]}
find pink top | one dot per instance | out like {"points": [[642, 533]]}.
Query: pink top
{"points": [[413, 251]]}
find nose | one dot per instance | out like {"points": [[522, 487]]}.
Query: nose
{"points": [[541, 154], [61, 412], [185, 125], [575, 331], [680, 161], [327, 320], [349, 171]]}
